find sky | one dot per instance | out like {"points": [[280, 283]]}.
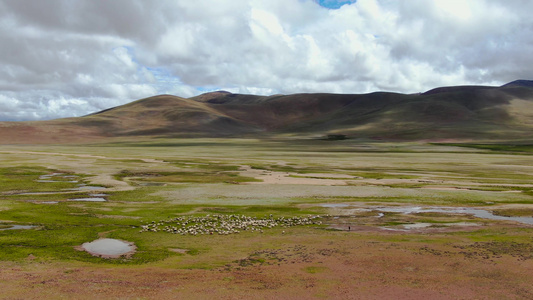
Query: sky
{"points": [[64, 58]]}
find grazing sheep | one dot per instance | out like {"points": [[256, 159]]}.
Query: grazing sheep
{"points": [[225, 224]]}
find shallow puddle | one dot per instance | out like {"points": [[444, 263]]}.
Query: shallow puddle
{"points": [[58, 177], [15, 227], [415, 226], [109, 248], [88, 188], [151, 183], [335, 205], [44, 181], [96, 199]]}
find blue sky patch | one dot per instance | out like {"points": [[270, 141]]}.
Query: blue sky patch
{"points": [[334, 4]]}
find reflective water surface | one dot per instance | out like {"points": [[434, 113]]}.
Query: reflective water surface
{"points": [[476, 212], [14, 227], [108, 247]]}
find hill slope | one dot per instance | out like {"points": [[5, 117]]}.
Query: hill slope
{"points": [[459, 112]]}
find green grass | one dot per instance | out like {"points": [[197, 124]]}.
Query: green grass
{"points": [[196, 179], [315, 269], [223, 175], [522, 148], [58, 243], [140, 194], [516, 212], [24, 178]]}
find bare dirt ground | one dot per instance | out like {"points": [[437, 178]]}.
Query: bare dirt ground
{"points": [[274, 177], [352, 266]]}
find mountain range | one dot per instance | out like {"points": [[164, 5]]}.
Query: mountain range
{"points": [[445, 113]]}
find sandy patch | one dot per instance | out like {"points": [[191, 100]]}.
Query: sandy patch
{"points": [[445, 188], [512, 206], [116, 217], [108, 180], [327, 176], [391, 181], [274, 177], [176, 250]]}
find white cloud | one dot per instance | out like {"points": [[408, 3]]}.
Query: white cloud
{"points": [[67, 58], [124, 56]]}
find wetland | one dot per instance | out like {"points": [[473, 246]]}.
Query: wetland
{"points": [[278, 218]]}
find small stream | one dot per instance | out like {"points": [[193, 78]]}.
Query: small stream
{"points": [[476, 212]]}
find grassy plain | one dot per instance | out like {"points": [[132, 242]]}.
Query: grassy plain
{"points": [[358, 252]]}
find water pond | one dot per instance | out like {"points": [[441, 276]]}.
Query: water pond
{"points": [[109, 248]]}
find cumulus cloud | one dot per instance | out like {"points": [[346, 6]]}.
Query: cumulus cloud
{"points": [[62, 58]]}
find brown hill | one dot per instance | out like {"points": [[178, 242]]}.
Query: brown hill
{"points": [[459, 112]]}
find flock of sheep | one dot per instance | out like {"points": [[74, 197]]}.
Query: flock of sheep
{"points": [[225, 224]]}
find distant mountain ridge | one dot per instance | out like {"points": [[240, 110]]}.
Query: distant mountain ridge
{"points": [[520, 82], [456, 112]]}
